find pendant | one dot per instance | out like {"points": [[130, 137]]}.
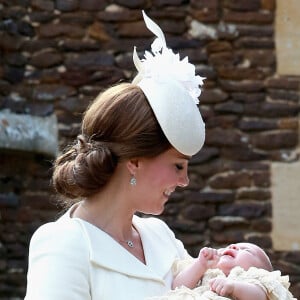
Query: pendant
{"points": [[130, 244]]}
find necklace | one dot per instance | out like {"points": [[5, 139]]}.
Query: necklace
{"points": [[130, 244]]}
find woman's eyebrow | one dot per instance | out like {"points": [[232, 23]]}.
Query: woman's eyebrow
{"points": [[186, 157]]}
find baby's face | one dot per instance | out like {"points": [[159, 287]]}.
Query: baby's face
{"points": [[245, 255]]}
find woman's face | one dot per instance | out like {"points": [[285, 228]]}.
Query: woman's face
{"points": [[245, 255], [157, 178]]}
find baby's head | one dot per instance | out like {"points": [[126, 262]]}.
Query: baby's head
{"points": [[245, 255]]}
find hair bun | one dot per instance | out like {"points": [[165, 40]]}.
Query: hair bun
{"points": [[82, 146], [84, 169]]}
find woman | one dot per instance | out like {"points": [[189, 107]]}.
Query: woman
{"points": [[132, 154]]}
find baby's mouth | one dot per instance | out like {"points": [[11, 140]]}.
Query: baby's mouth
{"points": [[228, 252]]}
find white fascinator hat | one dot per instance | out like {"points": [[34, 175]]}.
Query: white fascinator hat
{"points": [[172, 90]]}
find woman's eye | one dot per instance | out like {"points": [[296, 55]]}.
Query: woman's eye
{"points": [[179, 167]]}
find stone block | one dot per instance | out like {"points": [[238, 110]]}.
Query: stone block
{"points": [[257, 124], [213, 197], [283, 82], [228, 236], [243, 5], [10, 42], [51, 92], [198, 212], [268, 4], [97, 31], [241, 154], [212, 96], [43, 5], [52, 30], [81, 18], [223, 59], [262, 240], [76, 45], [40, 16], [66, 5], [201, 31], [206, 154], [231, 180], [248, 97], [28, 133], [116, 13], [277, 94], [13, 75], [188, 226], [261, 17], [273, 140], [230, 107], [34, 45], [243, 73], [46, 58], [92, 5], [288, 123], [160, 3], [260, 58], [261, 179], [248, 210], [205, 4], [219, 223], [249, 86], [262, 225], [255, 43], [223, 137], [219, 46], [89, 60], [271, 109], [206, 15], [132, 3], [9, 200], [247, 165], [223, 121], [251, 30]]}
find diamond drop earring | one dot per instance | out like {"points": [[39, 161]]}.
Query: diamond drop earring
{"points": [[133, 180]]}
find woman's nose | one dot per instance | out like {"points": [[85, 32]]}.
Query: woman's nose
{"points": [[183, 181]]}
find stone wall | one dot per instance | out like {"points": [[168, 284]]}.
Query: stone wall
{"points": [[56, 56]]}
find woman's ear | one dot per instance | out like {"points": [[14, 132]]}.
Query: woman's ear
{"points": [[132, 165]]}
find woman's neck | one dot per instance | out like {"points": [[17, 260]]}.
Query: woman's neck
{"points": [[109, 211]]}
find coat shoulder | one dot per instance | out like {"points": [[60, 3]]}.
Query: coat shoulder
{"points": [[63, 233]]}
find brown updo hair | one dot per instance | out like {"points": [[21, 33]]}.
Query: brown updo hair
{"points": [[118, 125]]}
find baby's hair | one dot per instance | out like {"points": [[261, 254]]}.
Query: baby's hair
{"points": [[266, 262], [264, 259]]}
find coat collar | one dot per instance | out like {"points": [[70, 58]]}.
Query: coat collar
{"points": [[105, 252]]}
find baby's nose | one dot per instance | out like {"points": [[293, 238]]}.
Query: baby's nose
{"points": [[234, 246]]}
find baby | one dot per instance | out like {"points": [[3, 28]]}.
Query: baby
{"points": [[240, 271]]}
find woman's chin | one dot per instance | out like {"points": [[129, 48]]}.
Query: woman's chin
{"points": [[154, 212]]}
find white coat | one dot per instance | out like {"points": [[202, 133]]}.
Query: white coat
{"points": [[71, 259]]}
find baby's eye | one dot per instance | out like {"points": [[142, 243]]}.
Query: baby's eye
{"points": [[246, 250]]}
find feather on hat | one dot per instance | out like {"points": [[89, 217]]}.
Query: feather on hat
{"points": [[172, 90]]}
